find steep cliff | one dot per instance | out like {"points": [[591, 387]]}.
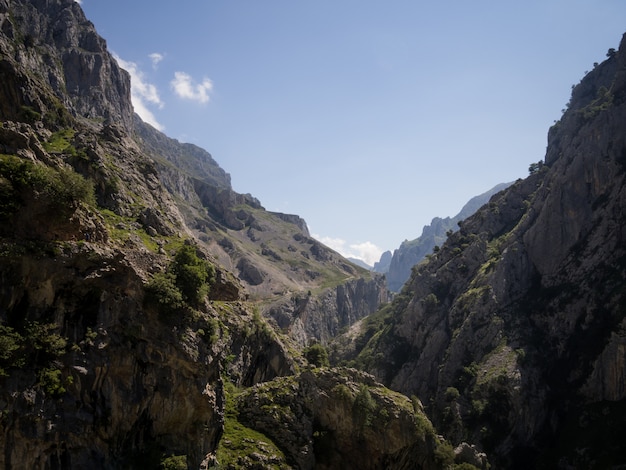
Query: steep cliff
{"points": [[513, 332], [307, 318], [133, 279], [412, 252], [53, 61]]}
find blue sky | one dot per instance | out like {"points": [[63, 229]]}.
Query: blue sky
{"points": [[366, 118]]}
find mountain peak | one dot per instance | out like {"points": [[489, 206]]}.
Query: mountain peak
{"points": [[54, 39]]}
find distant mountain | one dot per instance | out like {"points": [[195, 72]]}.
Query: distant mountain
{"points": [[398, 268], [382, 266], [360, 262]]}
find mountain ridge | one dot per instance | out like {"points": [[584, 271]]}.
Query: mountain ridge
{"points": [[515, 327], [412, 252], [152, 317]]}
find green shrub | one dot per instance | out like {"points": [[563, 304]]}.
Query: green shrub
{"points": [[452, 394], [430, 302], [45, 343], [29, 115], [317, 355], [174, 462], [162, 289], [60, 188], [10, 344], [192, 275], [50, 381], [364, 407], [186, 282], [444, 454], [342, 392]]}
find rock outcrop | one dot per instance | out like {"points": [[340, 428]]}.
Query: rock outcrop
{"points": [[52, 45], [103, 382], [340, 418], [382, 265], [311, 318], [513, 332]]}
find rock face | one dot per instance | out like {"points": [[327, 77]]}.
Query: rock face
{"points": [[122, 386], [340, 418], [382, 266], [188, 158], [410, 253], [513, 332], [105, 359], [54, 40], [320, 318]]}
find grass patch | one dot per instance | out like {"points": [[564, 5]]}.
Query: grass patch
{"points": [[120, 228], [60, 142], [239, 440], [61, 189]]}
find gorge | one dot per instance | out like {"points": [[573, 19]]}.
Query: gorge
{"points": [[152, 317]]}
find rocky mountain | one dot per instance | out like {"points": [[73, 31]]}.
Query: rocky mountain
{"points": [[410, 253], [382, 265], [150, 316], [513, 334]]}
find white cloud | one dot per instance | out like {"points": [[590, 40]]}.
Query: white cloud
{"points": [[80, 2], [185, 87], [365, 251], [336, 244], [155, 57], [142, 93]]}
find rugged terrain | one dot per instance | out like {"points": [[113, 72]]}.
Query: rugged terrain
{"points": [[141, 297], [152, 317], [513, 333]]}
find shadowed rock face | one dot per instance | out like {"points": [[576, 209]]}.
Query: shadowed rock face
{"points": [[517, 324]]}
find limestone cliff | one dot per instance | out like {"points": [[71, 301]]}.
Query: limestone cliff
{"points": [[112, 352], [51, 45], [513, 332], [307, 318]]}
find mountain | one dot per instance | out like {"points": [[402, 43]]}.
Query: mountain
{"points": [[412, 252], [150, 316], [360, 262], [382, 265], [513, 334]]}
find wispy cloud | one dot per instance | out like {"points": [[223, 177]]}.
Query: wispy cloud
{"points": [[185, 87], [155, 57], [365, 251], [142, 93]]}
